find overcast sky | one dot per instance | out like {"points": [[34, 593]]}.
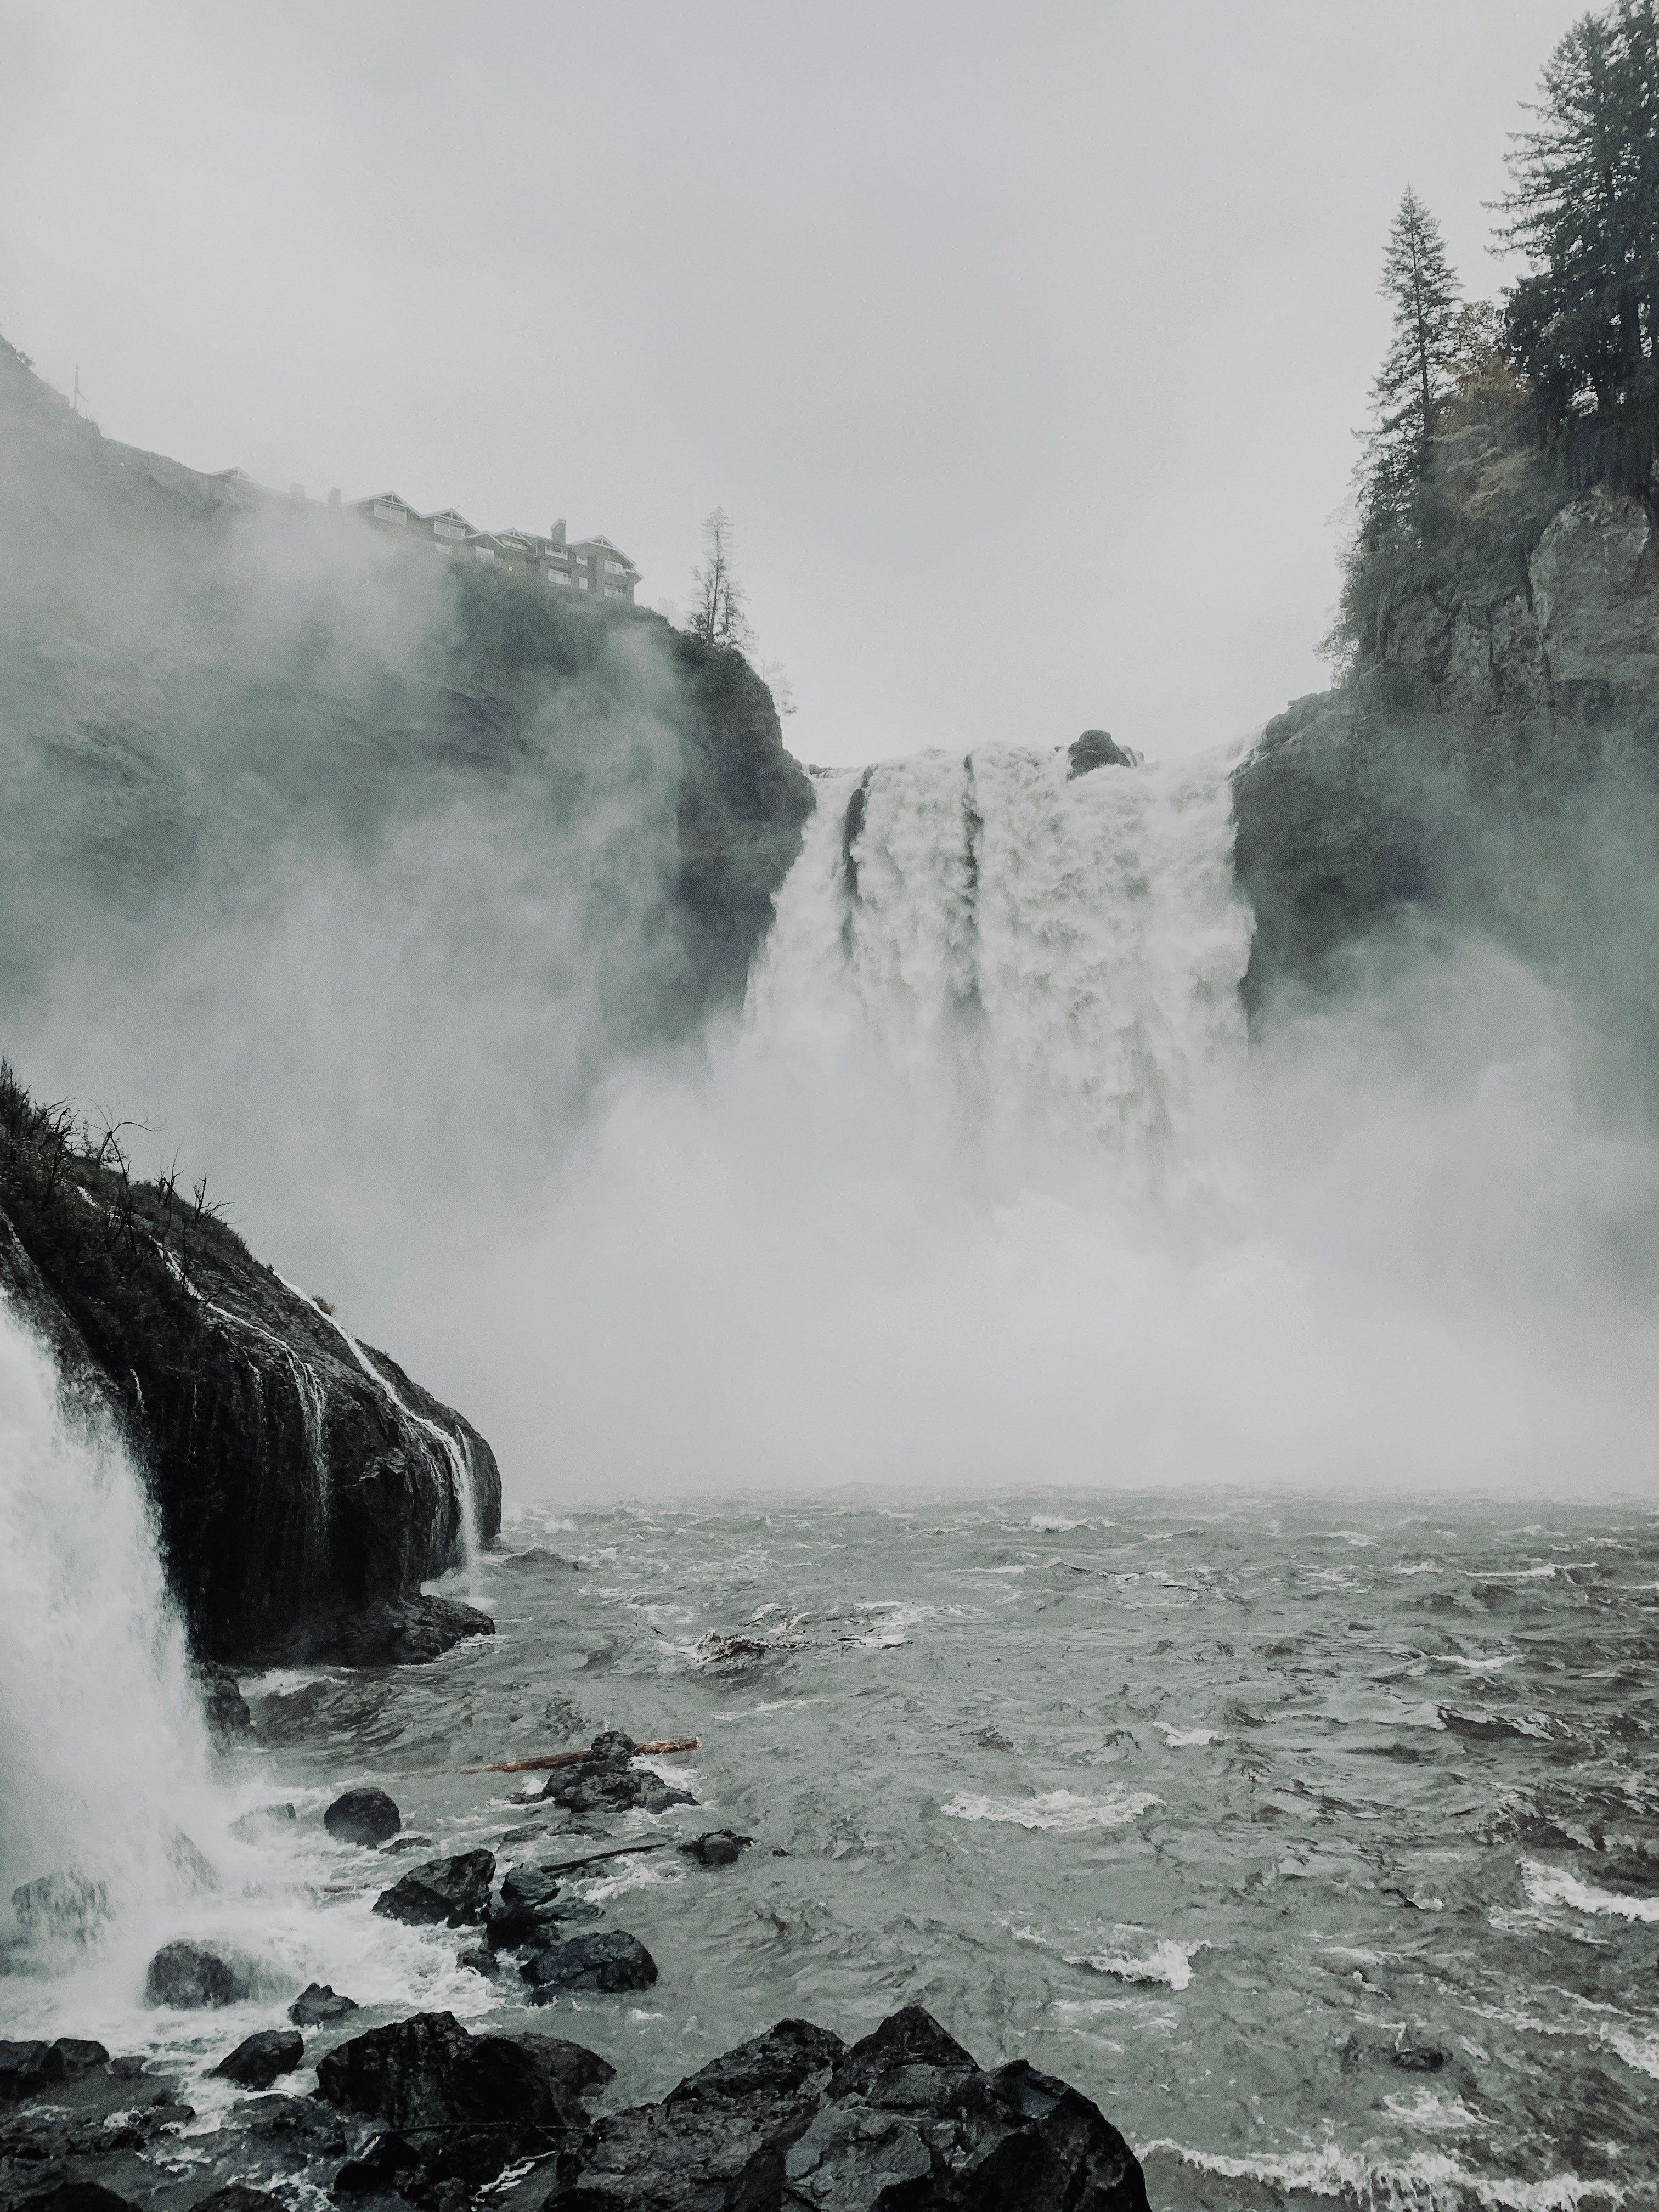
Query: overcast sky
{"points": [[1023, 344]]}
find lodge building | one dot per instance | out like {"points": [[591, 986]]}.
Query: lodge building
{"points": [[590, 565]]}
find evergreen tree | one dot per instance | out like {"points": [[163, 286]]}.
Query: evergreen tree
{"points": [[1419, 370], [1584, 207], [718, 614]]}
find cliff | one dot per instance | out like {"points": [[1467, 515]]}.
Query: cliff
{"points": [[196, 678], [298, 1476], [1490, 754]]}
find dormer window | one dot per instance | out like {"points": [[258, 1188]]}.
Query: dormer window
{"points": [[384, 512]]}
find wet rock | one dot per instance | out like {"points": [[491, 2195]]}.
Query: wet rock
{"points": [[317, 2004], [529, 1886], [459, 2105], [687, 2154], [990, 1739], [536, 1555], [607, 1781], [363, 1816], [239, 2197], [478, 1959], [301, 2130], [611, 1961], [78, 2056], [75, 2196], [1418, 2059], [25, 2070], [188, 1975], [906, 2117], [259, 2058], [399, 1631], [65, 1905], [223, 1706], [451, 1891], [721, 1847], [1096, 749], [717, 1648], [264, 1820]]}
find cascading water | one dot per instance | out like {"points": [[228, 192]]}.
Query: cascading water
{"points": [[1044, 964]]}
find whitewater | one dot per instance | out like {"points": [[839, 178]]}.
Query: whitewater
{"points": [[1314, 1837]]}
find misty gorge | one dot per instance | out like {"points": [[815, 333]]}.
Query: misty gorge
{"points": [[915, 1482]]}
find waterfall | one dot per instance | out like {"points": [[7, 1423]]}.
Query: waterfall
{"points": [[1038, 963], [102, 1745]]}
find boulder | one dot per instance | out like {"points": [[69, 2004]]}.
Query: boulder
{"points": [[1096, 749], [720, 1847], [223, 1706], [64, 1905], [393, 1631], [259, 2058], [78, 2055], [75, 2196], [449, 1891], [906, 2117], [607, 1781], [363, 1816], [457, 2104], [611, 1961], [190, 1976], [25, 2070], [687, 2154], [317, 2004], [239, 2197]]}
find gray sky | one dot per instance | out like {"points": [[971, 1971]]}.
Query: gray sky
{"points": [[1023, 345]]}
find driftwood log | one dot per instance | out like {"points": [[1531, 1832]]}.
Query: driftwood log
{"points": [[550, 1760]]}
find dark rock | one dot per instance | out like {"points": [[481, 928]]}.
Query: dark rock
{"points": [[611, 1961], [239, 2196], [990, 1739], [478, 1959], [259, 2058], [223, 1705], [905, 2118], [720, 1847], [1418, 2058], [25, 2070], [452, 1891], [78, 2056], [67, 1906], [536, 1555], [317, 2004], [460, 2104], [299, 2128], [399, 1631], [363, 1816], [75, 2196], [606, 1781], [188, 1975], [264, 1820], [719, 1648], [687, 2154], [1096, 749], [532, 1887]]}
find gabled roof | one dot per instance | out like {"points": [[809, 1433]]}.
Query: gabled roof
{"points": [[449, 514], [386, 499]]}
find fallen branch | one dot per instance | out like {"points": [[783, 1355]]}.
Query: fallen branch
{"points": [[551, 1760], [622, 1851]]}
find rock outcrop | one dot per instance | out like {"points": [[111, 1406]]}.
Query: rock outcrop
{"points": [[1494, 760], [305, 1487]]}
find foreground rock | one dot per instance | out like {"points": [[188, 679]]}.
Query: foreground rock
{"points": [[721, 1847], [457, 2105], [448, 1892], [611, 1961], [257, 2061], [363, 1816], [905, 2119], [317, 2004], [26, 2068], [401, 1632], [606, 1781], [190, 1976]]}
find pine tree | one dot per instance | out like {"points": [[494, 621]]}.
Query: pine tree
{"points": [[1419, 370], [1584, 207], [718, 614]]}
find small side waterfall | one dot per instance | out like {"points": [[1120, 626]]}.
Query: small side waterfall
{"points": [[103, 1750], [1039, 962]]}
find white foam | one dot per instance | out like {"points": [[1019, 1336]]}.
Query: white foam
{"points": [[1059, 1809], [1178, 1738], [1556, 1886], [1422, 2183], [1166, 1961]]}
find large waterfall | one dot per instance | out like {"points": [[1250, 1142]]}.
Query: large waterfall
{"points": [[1042, 963]]}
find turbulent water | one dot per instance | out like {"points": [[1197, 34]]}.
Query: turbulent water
{"points": [[1318, 1843]]}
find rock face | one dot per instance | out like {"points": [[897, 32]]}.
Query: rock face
{"points": [[905, 2117], [448, 1892], [1497, 760], [305, 1487], [363, 1816], [1096, 749]]}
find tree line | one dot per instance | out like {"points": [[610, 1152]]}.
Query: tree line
{"points": [[1574, 338]]}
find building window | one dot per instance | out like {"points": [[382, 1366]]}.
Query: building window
{"points": [[614, 568], [449, 529], [582, 581], [483, 553], [384, 513], [559, 576], [615, 591]]}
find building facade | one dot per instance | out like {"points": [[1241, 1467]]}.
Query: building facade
{"points": [[591, 569]]}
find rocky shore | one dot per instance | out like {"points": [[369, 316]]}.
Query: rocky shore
{"points": [[423, 2112]]}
